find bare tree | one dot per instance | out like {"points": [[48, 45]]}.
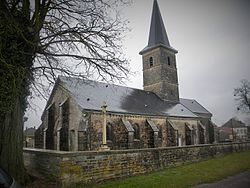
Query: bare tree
{"points": [[247, 121], [43, 38], [242, 96]]}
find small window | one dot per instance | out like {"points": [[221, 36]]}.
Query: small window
{"points": [[169, 62], [151, 62], [109, 131]]}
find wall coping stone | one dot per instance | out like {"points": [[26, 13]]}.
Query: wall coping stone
{"points": [[111, 152]]}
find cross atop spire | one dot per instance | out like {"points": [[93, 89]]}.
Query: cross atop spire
{"points": [[157, 34]]}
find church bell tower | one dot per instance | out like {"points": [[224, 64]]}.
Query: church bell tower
{"points": [[159, 61]]}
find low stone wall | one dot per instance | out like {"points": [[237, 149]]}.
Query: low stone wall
{"points": [[67, 168]]}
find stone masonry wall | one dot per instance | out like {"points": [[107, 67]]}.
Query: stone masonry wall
{"points": [[67, 168], [161, 77], [119, 136], [58, 96]]}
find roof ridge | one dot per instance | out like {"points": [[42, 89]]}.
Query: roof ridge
{"points": [[105, 83], [121, 99]]}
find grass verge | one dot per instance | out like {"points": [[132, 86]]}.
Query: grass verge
{"points": [[187, 175]]}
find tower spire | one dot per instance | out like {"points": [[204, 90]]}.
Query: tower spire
{"points": [[159, 61], [157, 34]]}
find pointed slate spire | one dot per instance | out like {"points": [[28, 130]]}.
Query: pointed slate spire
{"points": [[157, 34]]}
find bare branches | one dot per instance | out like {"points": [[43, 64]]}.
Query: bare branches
{"points": [[75, 38], [242, 95], [80, 38]]}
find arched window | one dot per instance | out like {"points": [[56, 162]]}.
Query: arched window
{"points": [[151, 61], [109, 131], [137, 131], [169, 62]]}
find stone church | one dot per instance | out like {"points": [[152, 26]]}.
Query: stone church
{"points": [[84, 115]]}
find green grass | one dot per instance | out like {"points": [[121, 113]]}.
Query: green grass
{"points": [[187, 175]]}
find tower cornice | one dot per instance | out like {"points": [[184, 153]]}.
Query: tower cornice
{"points": [[157, 34], [150, 48]]}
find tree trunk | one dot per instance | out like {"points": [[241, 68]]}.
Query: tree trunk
{"points": [[11, 145], [17, 49]]}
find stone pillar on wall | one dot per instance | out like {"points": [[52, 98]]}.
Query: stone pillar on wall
{"points": [[195, 134], [73, 140], [205, 123], [59, 128], [201, 133], [172, 134], [76, 141], [156, 141], [188, 134], [131, 132], [155, 132], [130, 139], [44, 138], [58, 139], [206, 135], [45, 128]]}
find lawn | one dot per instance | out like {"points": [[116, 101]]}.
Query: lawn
{"points": [[187, 175]]}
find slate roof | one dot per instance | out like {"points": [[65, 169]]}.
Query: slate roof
{"points": [[194, 106], [29, 131], [234, 123], [157, 34], [90, 95]]}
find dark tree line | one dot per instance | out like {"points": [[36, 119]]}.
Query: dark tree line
{"points": [[40, 39]]}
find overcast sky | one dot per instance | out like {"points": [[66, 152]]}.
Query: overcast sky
{"points": [[213, 42]]}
